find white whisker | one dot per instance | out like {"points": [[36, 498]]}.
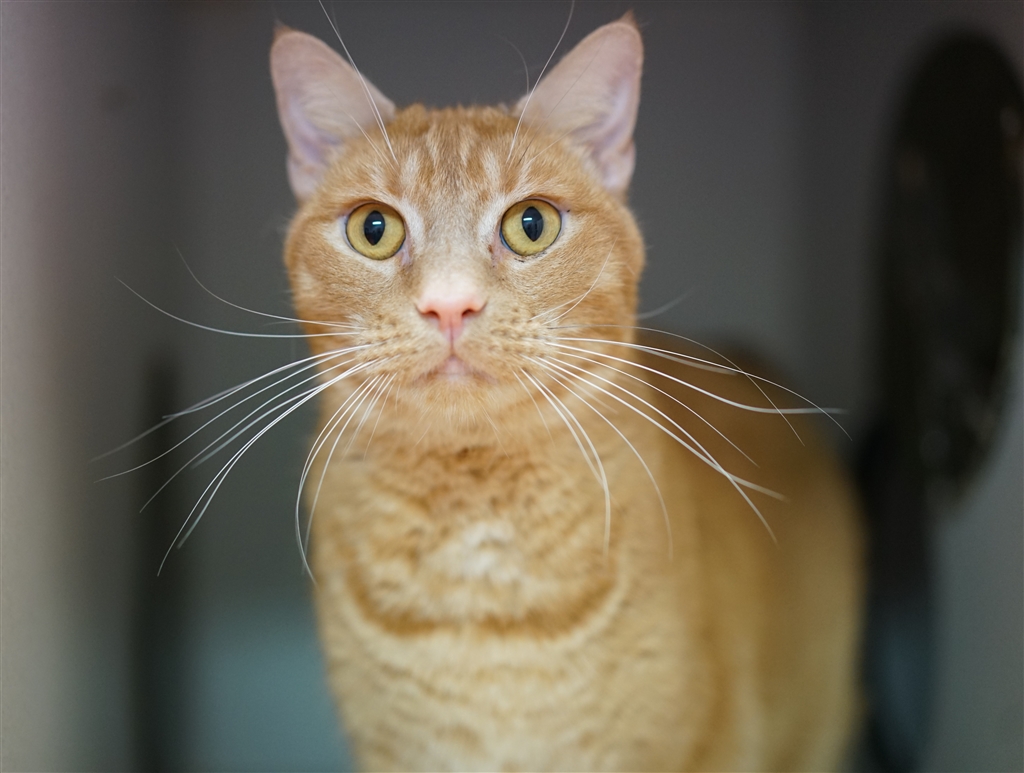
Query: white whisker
{"points": [[227, 442], [362, 80], [497, 437], [553, 309], [599, 472], [366, 414], [697, 449], [219, 415], [211, 489], [314, 359], [683, 359], [430, 426], [545, 393], [589, 289], [252, 311], [204, 455], [230, 332], [519, 123], [671, 397], [215, 398], [712, 395], [688, 359], [534, 401], [526, 67], [664, 307], [362, 392], [551, 113], [657, 489], [320, 441], [736, 482], [383, 405], [369, 141]]}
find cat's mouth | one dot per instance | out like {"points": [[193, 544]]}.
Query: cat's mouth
{"points": [[454, 368]]}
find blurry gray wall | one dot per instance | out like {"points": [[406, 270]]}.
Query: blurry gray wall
{"points": [[83, 189], [133, 132]]}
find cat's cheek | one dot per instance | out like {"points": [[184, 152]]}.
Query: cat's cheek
{"points": [[304, 284], [333, 234]]}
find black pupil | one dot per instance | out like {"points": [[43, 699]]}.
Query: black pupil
{"points": [[533, 223], [373, 227]]}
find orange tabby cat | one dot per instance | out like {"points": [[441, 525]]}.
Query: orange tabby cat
{"points": [[536, 541]]}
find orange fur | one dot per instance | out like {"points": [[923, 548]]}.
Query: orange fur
{"points": [[474, 611]]}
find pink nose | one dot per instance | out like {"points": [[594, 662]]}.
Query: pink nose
{"points": [[449, 311]]}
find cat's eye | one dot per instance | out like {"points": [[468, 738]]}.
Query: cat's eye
{"points": [[530, 227], [375, 230]]}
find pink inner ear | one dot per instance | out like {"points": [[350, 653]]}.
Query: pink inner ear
{"points": [[322, 102], [307, 142], [593, 95]]}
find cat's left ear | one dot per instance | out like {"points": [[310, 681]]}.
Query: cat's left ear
{"points": [[593, 95], [322, 102]]}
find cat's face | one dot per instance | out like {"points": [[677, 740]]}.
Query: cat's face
{"points": [[452, 253]]}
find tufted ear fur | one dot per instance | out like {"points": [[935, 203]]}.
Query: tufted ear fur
{"points": [[322, 102], [593, 95]]}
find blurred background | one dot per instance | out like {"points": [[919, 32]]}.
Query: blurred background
{"points": [[135, 132]]}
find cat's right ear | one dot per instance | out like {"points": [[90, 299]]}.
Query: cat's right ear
{"points": [[322, 102]]}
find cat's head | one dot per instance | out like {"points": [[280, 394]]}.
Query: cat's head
{"points": [[453, 248]]}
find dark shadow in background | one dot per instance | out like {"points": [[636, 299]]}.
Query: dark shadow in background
{"points": [[951, 271]]}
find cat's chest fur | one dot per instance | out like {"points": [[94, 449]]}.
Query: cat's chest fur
{"points": [[474, 619], [505, 537]]}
